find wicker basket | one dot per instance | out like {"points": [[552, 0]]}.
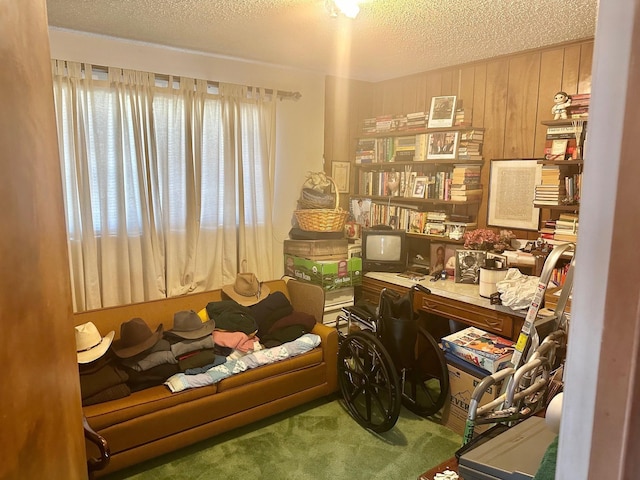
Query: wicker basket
{"points": [[323, 219]]}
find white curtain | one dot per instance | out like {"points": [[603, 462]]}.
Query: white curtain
{"points": [[167, 187]]}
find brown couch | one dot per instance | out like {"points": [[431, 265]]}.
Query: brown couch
{"points": [[155, 421]]}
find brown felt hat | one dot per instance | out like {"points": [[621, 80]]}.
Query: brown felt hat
{"points": [[187, 324], [246, 290], [135, 338]]}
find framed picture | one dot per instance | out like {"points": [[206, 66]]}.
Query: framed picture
{"points": [[419, 187], [443, 111], [468, 264], [442, 145], [361, 211], [501, 261], [408, 190], [512, 184], [340, 175]]}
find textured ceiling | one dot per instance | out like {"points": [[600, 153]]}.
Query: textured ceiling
{"points": [[388, 39]]}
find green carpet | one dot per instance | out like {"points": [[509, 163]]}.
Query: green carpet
{"points": [[316, 441]]}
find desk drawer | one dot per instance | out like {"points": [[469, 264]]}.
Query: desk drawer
{"points": [[485, 319]]}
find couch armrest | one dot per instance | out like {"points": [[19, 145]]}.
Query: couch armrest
{"points": [[329, 344], [307, 298]]}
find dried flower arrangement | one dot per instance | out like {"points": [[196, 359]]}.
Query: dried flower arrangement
{"points": [[489, 240]]}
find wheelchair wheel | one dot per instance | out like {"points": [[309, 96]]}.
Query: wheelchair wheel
{"points": [[368, 382], [425, 386]]}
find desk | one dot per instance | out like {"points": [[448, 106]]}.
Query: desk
{"points": [[456, 301]]}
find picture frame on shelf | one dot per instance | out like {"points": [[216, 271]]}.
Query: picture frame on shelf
{"points": [[443, 111], [512, 185], [408, 191], [442, 145], [468, 264], [340, 173], [419, 187]]}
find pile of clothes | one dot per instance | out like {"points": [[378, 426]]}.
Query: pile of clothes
{"points": [[249, 319]]}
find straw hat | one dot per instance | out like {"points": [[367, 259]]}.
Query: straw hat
{"points": [[90, 345], [246, 290]]}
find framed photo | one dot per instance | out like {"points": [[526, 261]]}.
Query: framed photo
{"points": [[419, 187], [512, 184], [340, 174], [468, 264], [501, 261], [361, 211], [443, 111], [442, 145]]}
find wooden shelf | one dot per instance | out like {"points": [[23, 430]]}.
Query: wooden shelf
{"points": [[578, 161], [408, 133], [444, 161], [398, 201], [562, 122], [565, 208], [436, 238]]}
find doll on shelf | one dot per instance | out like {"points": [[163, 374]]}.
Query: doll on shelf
{"points": [[561, 102]]}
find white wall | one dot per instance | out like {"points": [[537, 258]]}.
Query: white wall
{"points": [[300, 124]]}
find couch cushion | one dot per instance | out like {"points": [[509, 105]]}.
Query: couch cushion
{"points": [[157, 398]]}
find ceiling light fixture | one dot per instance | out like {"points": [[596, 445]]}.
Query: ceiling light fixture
{"points": [[349, 8]]}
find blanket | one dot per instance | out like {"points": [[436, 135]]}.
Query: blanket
{"points": [[181, 381]]}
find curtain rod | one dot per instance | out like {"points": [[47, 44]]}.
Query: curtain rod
{"points": [[281, 94]]}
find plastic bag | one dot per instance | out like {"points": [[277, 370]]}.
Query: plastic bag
{"points": [[517, 290]]}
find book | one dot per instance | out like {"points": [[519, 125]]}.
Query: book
{"points": [[485, 350]]}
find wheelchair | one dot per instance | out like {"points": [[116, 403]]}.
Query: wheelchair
{"points": [[387, 359]]}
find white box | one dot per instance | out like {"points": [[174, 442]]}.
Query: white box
{"points": [[482, 349]]}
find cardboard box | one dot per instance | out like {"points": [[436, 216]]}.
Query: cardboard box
{"points": [[317, 249], [329, 274], [463, 379], [482, 349], [551, 297]]}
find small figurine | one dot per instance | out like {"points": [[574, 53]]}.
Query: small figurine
{"points": [[561, 102]]}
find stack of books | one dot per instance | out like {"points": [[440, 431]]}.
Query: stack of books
{"points": [[369, 125], [436, 224], [465, 183], [470, 145], [560, 142], [417, 120], [579, 107], [463, 115], [566, 227], [551, 190], [384, 123], [366, 150], [404, 148]]}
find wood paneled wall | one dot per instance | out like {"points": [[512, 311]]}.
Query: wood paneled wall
{"points": [[510, 96]]}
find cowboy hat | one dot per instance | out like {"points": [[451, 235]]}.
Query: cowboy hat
{"points": [[135, 338], [90, 345], [187, 324], [246, 290]]}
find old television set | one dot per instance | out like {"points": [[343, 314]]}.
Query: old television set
{"points": [[384, 249]]}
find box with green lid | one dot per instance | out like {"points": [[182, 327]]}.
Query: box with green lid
{"points": [[329, 274]]}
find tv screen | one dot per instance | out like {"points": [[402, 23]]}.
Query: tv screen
{"points": [[384, 250], [384, 247]]}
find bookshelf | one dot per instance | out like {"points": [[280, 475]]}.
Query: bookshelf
{"points": [[560, 188], [425, 181]]}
